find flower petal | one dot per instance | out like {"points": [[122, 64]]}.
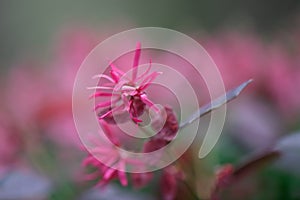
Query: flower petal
{"points": [[109, 173], [103, 76], [149, 103], [122, 174], [99, 88], [146, 82], [103, 94], [106, 103], [136, 61], [111, 111], [146, 72]]}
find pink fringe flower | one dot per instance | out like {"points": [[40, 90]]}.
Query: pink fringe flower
{"points": [[127, 94], [114, 162]]}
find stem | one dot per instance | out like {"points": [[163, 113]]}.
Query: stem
{"points": [[145, 131], [194, 195]]}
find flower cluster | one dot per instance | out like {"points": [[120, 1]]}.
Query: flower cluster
{"points": [[128, 100]]}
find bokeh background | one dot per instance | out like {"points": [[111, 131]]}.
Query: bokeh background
{"points": [[42, 44]]}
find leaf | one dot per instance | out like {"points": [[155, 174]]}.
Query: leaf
{"points": [[230, 95], [289, 147], [231, 176], [255, 163]]}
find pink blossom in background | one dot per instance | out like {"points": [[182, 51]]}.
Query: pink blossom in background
{"points": [[42, 95], [36, 107], [10, 144], [25, 93], [70, 50], [283, 81], [239, 56], [275, 71]]}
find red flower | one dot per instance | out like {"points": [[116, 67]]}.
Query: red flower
{"points": [[223, 175], [167, 126], [141, 179], [170, 126]]}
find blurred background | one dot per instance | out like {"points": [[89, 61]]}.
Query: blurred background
{"points": [[42, 44]]}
